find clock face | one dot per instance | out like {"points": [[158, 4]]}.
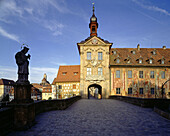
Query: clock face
{"points": [[94, 41], [93, 19]]}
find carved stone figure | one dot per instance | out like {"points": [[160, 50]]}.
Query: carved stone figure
{"points": [[22, 62]]}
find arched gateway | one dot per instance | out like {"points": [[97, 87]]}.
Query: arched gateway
{"points": [[94, 91]]}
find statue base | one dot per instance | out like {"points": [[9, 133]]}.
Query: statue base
{"points": [[24, 108], [22, 93]]}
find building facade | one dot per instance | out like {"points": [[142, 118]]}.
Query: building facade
{"points": [[105, 71], [67, 82], [6, 86]]}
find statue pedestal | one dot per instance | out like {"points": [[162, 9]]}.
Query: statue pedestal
{"points": [[24, 108], [22, 93]]}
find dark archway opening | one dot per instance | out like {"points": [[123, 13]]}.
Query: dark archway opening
{"points": [[94, 91]]}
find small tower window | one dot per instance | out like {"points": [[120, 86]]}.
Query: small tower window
{"points": [[93, 29]]}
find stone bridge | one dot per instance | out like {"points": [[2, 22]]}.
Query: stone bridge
{"points": [[99, 118]]}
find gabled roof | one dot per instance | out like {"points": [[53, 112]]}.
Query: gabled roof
{"points": [[145, 53], [105, 41], [67, 74], [6, 82]]}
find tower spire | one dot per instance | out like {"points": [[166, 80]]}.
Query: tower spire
{"points": [[93, 8], [93, 24]]}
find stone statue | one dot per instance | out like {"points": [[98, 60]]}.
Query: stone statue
{"points": [[22, 62]]}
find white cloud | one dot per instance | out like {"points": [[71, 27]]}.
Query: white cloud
{"points": [[36, 74], [153, 8], [9, 8], [8, 35], [54, 27], [8, 72]]}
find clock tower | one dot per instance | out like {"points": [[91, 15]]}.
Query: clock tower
{"points": [[93, 24], [94, 64]]}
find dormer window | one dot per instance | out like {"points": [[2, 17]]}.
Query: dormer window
{"points": [[140, 61], [114, 52], [150, 61], [75, 73], [117, 60], [162, 60], [133, 52], [154, 52], [64, 73], [128, 59]]}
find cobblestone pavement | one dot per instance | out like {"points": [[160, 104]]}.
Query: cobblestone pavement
{"points": [[99, 118]]}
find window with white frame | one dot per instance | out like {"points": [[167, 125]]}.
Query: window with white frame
{"points": [[117, 73], [129, 73], [152, 74], [100, 71], [88, 71], [100, 55], [163, 75], [88, 55], [140, 74]]}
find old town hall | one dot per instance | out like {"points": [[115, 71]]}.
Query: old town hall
{"points": [[105, 71]]}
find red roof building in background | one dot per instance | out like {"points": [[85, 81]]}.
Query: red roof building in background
{"points": [[105, 71]]}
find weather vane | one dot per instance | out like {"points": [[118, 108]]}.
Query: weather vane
{"points": [[93, 7]]}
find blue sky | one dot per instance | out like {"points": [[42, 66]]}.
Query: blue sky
{"points": [[52, 29]]}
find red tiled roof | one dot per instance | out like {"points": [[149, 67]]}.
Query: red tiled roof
{"points": [[36, 85], [145, 53], [69, 75]]}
